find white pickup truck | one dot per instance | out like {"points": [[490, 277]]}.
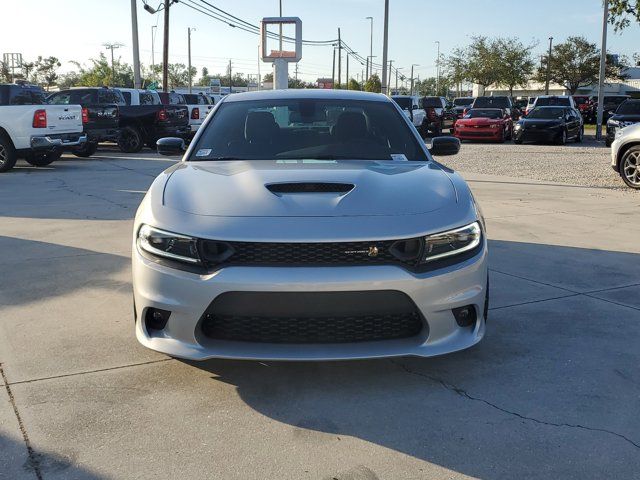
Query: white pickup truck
{"points": [[412, 108], [34, 131]]}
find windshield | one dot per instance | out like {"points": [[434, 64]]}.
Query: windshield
{"points": [[551, 101], [432, 102], [629, 108], [495, 102], [462, 102], [484, 113], [547, 113], [308, 129], [403, 102]]}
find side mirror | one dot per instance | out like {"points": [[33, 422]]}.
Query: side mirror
{"points": [[171, 146], [444, 146]]}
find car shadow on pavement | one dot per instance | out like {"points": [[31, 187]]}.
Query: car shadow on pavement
{"points": [[555, 380], [17, 462], [32, 271]]}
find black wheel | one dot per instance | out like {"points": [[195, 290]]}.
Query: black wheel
{"points": [[7, 154], [503, 137], [130, 140], [580, 135], [629, 167], [517, 141], [510, 133], [423, 130], [152, 144], [437, 131], [86, 150], [38, 159]]}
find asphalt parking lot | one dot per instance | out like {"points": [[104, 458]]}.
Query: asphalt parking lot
{"points": [[553, 391]]}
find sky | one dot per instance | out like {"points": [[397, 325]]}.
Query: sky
{"points": [[77, 30]]}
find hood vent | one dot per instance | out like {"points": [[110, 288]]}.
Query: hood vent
{"points": [[309, 187]]}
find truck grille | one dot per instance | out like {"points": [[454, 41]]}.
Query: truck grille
{"points": [[311, 317]]}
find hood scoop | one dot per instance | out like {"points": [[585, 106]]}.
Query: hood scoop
{"points": [[309, 187]]}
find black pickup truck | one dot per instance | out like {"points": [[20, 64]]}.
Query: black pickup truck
{"points": [[100, 115]]}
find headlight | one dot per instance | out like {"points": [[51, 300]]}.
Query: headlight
{"points": [[452, 242], [517, 126], [494, 125], [168, 245]]}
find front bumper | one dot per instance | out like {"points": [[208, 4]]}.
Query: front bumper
{"points": [[60, 140], [478, 133], [188, 295], [534, 135]]}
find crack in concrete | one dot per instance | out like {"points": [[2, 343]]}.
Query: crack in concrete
{"points": [[463, 393], [33, 458], [63, 185]]}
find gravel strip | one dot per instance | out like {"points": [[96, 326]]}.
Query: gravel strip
{"points": [[586, 164]]}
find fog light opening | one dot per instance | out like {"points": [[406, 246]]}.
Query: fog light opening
{"points": [[465, 316], [156, 319]]}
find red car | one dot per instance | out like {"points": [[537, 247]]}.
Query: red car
{"points": [[484, 124]]}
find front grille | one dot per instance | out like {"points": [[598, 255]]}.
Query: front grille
{"points": [[478, 133], [311, 317], [403, 252]]}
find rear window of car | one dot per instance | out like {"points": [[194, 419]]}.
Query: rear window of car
{"points": [[492, 102], [629, 107], [308, 130], [614, 100], [148, 98], [72, 97], [462, 102], [127, 97], [25, 96], [553, 102], [432, 102], [112, 96], [403, 102]]}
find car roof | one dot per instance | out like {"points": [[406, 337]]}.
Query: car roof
{"points": [[311, 93]]}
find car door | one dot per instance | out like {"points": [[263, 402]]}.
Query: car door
{"points": [[572, 121], [449, 114]]}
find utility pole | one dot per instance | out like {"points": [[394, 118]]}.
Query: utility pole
{"points": [[388, 84], [413, 65], [259, 76], [438, 69], [153, 59], [281, 26], [549, 64], [333, 70], [385, 46], [189, 55], [370, 46], [603, 64], [339, 59], [347, 79], [230, 77], [137, 83], [165, 48], [112, 47], [296, 73]]}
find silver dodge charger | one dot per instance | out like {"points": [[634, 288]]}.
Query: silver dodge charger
{"points": [[309, 225]]}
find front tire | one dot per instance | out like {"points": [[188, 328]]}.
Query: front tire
{"points": [[562, 139], [629, 167], [130, 140], [85, 151], [580, 135], [7, 154], [42, 159]]}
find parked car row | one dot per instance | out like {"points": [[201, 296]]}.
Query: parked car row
{"points": [[39, 128]]}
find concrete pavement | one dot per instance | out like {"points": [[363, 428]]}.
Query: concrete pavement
{"points": [[553, 391]]}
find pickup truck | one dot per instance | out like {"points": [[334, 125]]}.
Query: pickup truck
{"points": [[34, 131], [199, 106], [100, 115], [410, 105], [440, 114], [144, 119], [196, 113]]}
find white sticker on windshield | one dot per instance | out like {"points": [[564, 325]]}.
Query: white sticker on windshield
{"points": [[203, 152], [398, 157]]}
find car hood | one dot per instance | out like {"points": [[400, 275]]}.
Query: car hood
{"points": [[480, 122], [239, 188], [621, 117]]}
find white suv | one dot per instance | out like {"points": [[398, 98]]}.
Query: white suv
{"points": [[625, 155]]}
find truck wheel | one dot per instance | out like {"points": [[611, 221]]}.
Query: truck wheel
{"points": [[130, 140], [152, 144], [86, 150], [7, 154], [42, 159]]}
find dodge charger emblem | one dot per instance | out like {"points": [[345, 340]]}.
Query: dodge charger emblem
{"points": [[373, 251]]}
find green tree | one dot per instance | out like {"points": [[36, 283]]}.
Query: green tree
{"points": [[515, 63], [98, 73], [46, 70], [354, 84], [623, 12], [456, 68], [5, 73], [483, 66], [575, 64], [373, 84], [267, 77], [28, 72], [205, 78]]}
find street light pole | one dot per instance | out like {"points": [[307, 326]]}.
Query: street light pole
{"points": [[137, 83], [165, 48], [549, 65], [153, 42], [370, 46], [189, 55], [438, 69], [603, 64], [112, 47], [281, 26], [385, 46], [413, 65]]}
